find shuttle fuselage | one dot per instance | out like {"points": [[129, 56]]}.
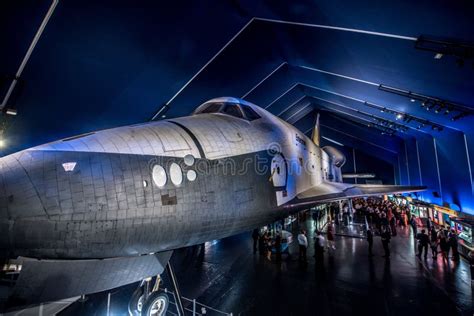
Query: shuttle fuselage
{"points": [[114, 193]]}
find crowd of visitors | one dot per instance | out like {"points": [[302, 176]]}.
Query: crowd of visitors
{"points": [[384, 216], [383, 219]]}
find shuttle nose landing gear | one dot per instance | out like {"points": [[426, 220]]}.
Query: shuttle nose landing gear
{"points": [[148, 300], [156, 304]]}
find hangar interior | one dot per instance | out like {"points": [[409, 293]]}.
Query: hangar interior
{"points": [[397, 95], [393, 82]]}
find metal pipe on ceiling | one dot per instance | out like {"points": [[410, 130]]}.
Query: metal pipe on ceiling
{"points": [[29, 52]]}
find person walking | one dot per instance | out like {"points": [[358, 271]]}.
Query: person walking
{"points": [[255, 236], [370, 240], [268, 246], [413, 226], [470, 257], [434, 242], [423, 241], [385, 236], [318, 246], [448, 246], [443, 244], [277, 245], [303, 245], [330, 234], [261, 244], [393, 225], [453, 243]]}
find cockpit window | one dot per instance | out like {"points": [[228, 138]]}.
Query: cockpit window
{"points": [[237, 110], [212, 108], [250, 113], [233, 109]]}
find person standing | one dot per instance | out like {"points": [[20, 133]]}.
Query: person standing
{"points": [[303, 245], [443, 244], [434, 242], [453, 243], [423, 241], [413, 226], [470, 257], [318, 246], [448, 246], [278, 247], [370, 240], [385, 236], [268, 246], [261, 244], [255, 236], [393, 225], [330, 237]]}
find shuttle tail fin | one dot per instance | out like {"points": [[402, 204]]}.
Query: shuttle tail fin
{"points": [[316, 131]]}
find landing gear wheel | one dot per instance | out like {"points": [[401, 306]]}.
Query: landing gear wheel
{"points": [[156, 304], [135, 305]]}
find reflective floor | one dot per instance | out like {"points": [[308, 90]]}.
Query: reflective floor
{"points": [[227, 275], [231, 278]]}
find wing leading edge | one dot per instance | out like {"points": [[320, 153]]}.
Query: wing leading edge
{"points": [[331, 191]]}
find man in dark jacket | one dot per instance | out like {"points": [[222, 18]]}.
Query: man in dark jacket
{"points": [[386, 235], [423, 242], [413, 226], [255, 236], [370, 240], [453, 243]]}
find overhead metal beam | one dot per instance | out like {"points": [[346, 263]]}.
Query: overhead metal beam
{"points": [[264, 79], [338, 28], [27, 56], [276, 21], [352, 136], [299, 111], [359, 118], [363, 101], [291, 105], [283, 94], [209, 62], [362, 112]]}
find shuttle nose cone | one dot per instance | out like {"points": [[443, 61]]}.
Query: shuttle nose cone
{"points": [[18, 196]]}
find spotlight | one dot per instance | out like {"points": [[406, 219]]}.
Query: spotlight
{"points": [[382, 110], [458, 116], [438, 56], [2, 143], [412, 100], [12, 112], [399, 116]]}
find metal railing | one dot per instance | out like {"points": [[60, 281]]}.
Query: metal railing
{"points": [[196, 308]]}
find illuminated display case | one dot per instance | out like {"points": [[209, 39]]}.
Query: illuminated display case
{"points": [[463, 228]]}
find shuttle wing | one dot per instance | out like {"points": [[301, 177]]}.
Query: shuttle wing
{"points": [[331, 191]]}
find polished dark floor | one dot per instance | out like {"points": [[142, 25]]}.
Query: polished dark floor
{"points": [[227, 275]]}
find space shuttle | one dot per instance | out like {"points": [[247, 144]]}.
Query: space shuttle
{"points": [[103, 209]]}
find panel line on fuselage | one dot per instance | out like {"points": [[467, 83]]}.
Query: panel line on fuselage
{"points": [[193, 137]]}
